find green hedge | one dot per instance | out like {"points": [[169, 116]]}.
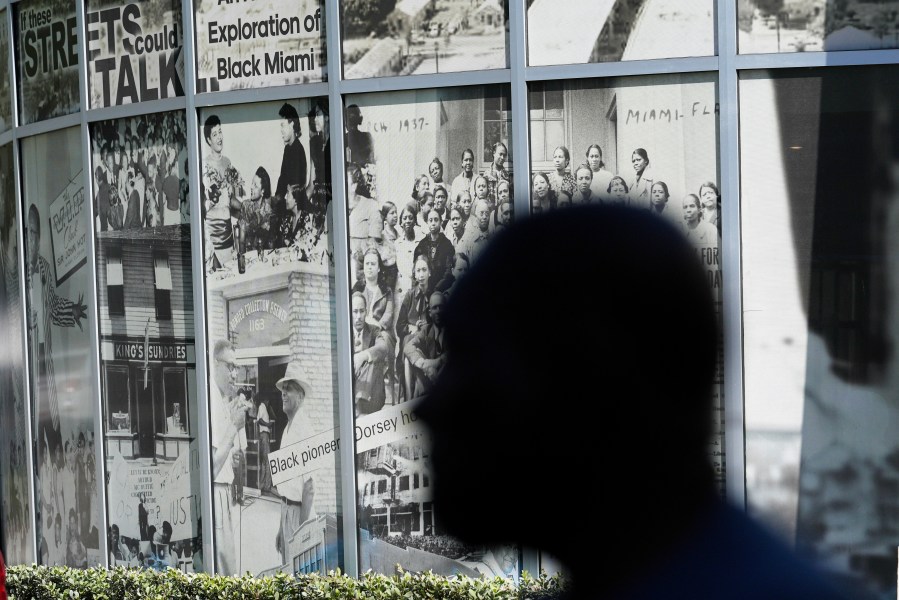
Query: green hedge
{"points": [[63, 583]]}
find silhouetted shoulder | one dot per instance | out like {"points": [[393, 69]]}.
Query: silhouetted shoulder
{"points": [[729, 556]]}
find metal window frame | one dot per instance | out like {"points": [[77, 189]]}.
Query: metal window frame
{"points": [[92, 295], [346, 409], [198, 271], [11, 138], [731, 256], [726, 68]]}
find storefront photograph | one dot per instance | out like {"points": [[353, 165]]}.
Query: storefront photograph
{"points": [[148, 376]]}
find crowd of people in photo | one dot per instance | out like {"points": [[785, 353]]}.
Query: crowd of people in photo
{"points": [[245, 212], [155, 548], [16, 504], [140, 172], [442, 545], [66, 489], [591, 183], [406, 257]]}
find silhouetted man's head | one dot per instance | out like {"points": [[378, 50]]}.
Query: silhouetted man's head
{"points": [[581, 353]]}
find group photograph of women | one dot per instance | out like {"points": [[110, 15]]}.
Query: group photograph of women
{"points": [[644, 142], [404, 250], [265, 186], [696, 213], [428, 187], [650, 143]]}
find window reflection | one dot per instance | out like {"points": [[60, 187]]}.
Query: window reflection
{"points": [[585, 31], [820, 319], [414, 37]]}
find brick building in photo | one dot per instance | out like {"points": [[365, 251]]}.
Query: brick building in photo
{"points": [[148, 379], [274, 314]]}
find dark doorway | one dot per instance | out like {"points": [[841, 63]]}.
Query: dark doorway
{"points": [[146, 422], [271, 369]]}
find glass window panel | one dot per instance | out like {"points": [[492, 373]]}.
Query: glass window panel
{"points": [[817, 313], [266, 191], [848, 293], [413, 37], [767, 26], [535, 100], [115, 282], [447, 122], [142, 221], [555, 137], [163, 304], [553, 96], [264, 43], [585, 31], [137, 64], [493, 132], [546, 124], [176, 413], [63, 395], [116, 300], [538, 140], [15, 492], [5, 82], [162, 272], [114, 274], [47, 71], [828, 294], [554, 113], [673, 121], [119, 409]]}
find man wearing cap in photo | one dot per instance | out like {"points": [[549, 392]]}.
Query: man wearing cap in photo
{"points": [[297, 493]]}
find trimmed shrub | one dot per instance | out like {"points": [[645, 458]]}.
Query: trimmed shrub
{"points": [[64, 583]]}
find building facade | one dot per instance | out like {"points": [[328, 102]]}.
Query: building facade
{"points": [[201, 228]]}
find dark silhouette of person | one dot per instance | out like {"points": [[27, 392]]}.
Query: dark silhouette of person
{"points": [[142, 519], [585, 394], [359, 143]]}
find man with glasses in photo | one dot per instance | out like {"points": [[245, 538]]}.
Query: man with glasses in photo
{"points": [[227, 423]]}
